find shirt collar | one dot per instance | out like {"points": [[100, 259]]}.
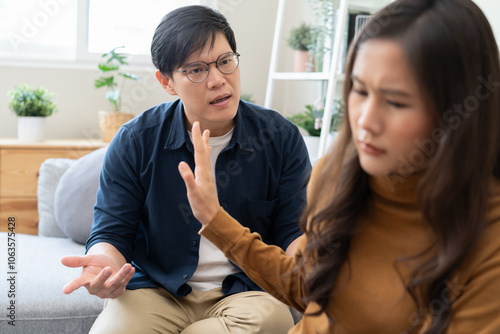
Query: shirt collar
{"points": [[178, 134]]}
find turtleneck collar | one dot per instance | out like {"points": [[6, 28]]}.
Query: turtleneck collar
{"points": [[395, 188]]}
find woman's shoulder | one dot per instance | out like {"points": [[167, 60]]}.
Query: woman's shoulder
{"points": [[474, 288], [488, 247]]}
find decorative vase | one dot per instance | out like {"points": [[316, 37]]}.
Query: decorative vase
{"points": [[31, 128], [110, 122], [302, 62]]}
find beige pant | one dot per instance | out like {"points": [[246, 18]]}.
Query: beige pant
{"points": [[155, 310]]}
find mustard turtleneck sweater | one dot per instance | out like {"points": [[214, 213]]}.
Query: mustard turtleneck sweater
{"points": [[372, 298]]}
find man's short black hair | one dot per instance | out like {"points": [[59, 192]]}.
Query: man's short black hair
{"points": [[184, 31]]}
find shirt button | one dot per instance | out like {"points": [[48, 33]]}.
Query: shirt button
{"points": [[194, 243], [185, 276]]}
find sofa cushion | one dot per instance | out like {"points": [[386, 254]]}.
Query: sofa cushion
{"points": [[50, 173], [76, 195], [40, 305]]}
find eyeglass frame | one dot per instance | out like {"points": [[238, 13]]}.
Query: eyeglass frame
{"points": [[216, 65]]}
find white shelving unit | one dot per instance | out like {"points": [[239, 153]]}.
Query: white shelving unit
{"points": [[332, 76]]}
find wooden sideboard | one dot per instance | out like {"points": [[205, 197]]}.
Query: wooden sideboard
{"points": [[19, 166]]}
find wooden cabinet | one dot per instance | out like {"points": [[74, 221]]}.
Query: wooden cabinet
{"points": [[19, 165]]}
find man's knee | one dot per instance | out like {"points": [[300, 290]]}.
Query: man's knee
{"points": [[256, 313], [140, 311], [275, 316]]}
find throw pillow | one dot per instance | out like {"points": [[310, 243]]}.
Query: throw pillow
{"points": [[49, 175], [76, 195]]}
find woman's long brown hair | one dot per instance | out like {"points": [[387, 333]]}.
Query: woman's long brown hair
{"points": [[451, 48]]}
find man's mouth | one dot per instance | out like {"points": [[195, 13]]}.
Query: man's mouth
{"points": [[220, 100]]}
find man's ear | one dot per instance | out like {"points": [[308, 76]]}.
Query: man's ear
{"points": [[165, 82]]}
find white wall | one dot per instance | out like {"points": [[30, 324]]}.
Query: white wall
{"points": [[253, 23], [491, 9], [79, 101]]}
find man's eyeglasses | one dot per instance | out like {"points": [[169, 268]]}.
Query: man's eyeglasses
{"points": [[226, 63]]}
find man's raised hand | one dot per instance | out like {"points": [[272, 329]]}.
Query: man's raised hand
{"points": [[201, 188]]}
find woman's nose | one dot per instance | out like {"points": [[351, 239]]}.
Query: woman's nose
{"points": [[371, 117]]}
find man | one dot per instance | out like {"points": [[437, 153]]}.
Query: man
{"points": [[144, 254]]}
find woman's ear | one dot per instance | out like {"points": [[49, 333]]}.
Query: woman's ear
{"points": [[165, 82]]}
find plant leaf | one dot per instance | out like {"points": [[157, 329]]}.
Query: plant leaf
{"points": [[130, 76], [105, 82], [119, 57], [108, 67]]}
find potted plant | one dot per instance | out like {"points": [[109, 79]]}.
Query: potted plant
{"points": [[311, 121], [32, 106], [113, 79], [301, 40]]}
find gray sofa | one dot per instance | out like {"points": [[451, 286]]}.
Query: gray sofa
{"points": [[40, 305], [66, 193]]}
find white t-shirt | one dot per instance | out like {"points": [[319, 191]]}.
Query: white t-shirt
{"points": [[213, 266]]}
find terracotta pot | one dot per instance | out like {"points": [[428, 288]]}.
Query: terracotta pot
{"points": [[110, 122], [302, 62]]}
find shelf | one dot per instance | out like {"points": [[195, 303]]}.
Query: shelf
{"points": [[304, 76], [370, 6]]}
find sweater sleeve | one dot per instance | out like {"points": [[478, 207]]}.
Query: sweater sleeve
{"points": [[475, 290], [268, 266]]}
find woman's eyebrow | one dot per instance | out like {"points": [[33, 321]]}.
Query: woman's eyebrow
{"points": [[387, 91]]}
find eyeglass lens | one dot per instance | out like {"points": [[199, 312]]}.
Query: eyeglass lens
{"points": [[226, 63]]}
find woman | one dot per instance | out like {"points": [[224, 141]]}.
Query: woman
{"points": [[402, 227]]}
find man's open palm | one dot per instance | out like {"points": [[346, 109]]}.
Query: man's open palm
{"points": [[100, 275]]}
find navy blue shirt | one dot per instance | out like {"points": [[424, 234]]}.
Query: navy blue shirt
{"points": [[142, 207]]}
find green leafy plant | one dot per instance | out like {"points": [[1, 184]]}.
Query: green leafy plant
{"points": [[311, 118], [325, 18], [300, 37], [27, 101], [111, 74], [307, 120], [247, 97]]}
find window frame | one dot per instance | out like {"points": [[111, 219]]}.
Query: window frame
{"points": [[82, 58]]}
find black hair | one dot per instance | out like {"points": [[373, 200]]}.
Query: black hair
{"points": [[184, 31]]}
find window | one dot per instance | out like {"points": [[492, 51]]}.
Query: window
{"points": [[80, 30], [42, 28], [127, 22]]}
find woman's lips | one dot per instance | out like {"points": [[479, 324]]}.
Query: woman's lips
{"points": [[370, 149]]}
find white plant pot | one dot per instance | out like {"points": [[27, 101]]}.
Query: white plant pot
{"points": [[312, 144], [30, 129]]}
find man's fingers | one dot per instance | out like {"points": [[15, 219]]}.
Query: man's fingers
{"points": [[201, 148], [75, 261], [99, 278], [73, 285], [120, 288], [98, 282], [120, 276], [187, 175], [112, 286]]}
